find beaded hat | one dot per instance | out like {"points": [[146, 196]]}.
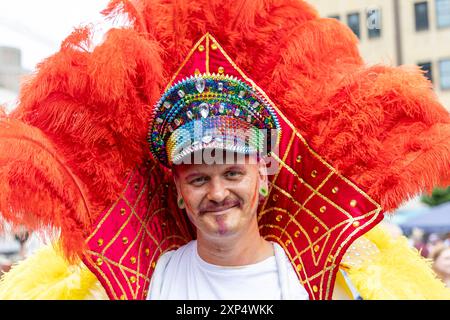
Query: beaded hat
{"points": [[208, 105]]}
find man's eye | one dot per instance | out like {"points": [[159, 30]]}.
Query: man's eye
{"points": [[232, 174], [198, 181]]}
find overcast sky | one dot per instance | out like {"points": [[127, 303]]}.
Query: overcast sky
{"points": [[38, 26]]}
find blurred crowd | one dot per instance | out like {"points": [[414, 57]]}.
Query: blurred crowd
{"points": [[16, 246], [435, 247]]}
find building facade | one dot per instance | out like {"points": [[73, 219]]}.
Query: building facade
{"points": [[11, 72], [397, 32]]}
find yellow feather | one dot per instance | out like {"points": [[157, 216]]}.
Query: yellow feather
{"points": [[395, 271], [46, 275]]}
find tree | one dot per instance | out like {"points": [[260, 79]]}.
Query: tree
{"points": [[438, 197]]}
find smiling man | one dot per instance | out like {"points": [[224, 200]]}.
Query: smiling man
{"points": [[215, 132], [229, 259]]}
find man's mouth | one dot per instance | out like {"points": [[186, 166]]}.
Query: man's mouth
{"points": [[219, 210]]}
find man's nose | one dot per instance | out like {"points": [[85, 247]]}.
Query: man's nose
{"points": [[217, 190]]}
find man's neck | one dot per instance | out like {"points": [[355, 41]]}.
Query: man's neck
{"points": [[245, 249]]}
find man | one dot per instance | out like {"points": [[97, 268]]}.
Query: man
{"points": [[74, 157], [214, 131], [229, 260]]}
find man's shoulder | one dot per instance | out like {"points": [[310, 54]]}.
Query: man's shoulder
{"points": [[167, 266], [176, 254]]}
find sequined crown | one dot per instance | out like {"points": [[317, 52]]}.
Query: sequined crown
{"points": [[205, 110]]}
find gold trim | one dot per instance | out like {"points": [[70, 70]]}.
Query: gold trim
{"points": [[115, 263], [376, 213], [108, 213], [102, 274], [295, 174], [185, 61], [291, 140], [289, 196], [207, 54]]}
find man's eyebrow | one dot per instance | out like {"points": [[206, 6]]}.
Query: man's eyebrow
{"points": [[235, 167]]}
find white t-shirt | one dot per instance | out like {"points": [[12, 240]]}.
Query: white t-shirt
{"points": [[184, 275]]}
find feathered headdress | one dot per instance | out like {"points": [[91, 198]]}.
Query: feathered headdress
{"points": [[74, 155]]}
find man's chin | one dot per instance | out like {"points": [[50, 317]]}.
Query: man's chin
{"points": [[221, 223]]}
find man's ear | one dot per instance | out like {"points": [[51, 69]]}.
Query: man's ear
{"points": [[176, 180], [262, 173]]}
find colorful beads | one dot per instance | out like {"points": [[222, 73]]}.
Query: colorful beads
{"points": [[205, 97]]}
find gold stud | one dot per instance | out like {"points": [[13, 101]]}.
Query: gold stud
{"points": [[133, 260], [287, 243], [279, 218], [294, 188], [299, 159], [99, 261], [214, 46], [221, 70], [100, 242], [315, 289], [316, 229], [356, 224], [123, 211], [132, 279], [316, 248], [297, 234], [353, 203], [122, 297], [314, 173], [201, 48], [197, 72], [335, 190], [330, 258], [299, 267], [147, 252], [323, 209], [145, 293], [153, 264], [125, 240], [275, 197]]}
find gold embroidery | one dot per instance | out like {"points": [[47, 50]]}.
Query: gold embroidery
{"points": [[185, 61], [207, 55], [106, 216], [291, 140]]}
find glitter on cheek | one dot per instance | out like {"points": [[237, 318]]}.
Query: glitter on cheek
{"points": [[222, 225]]}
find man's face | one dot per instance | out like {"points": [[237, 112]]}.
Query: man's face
{"points": [[221, 200]]}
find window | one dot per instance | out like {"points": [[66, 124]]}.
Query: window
{"points": [[427, 67], [444, 70], [337, 17], [374, 23], [421, 12], [443, 13], [353, 22]]}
